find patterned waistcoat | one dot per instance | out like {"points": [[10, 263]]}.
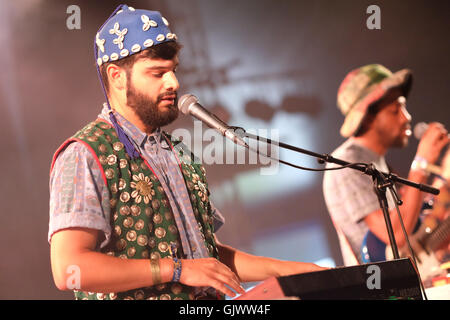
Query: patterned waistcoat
{"points": [[141, 216]]}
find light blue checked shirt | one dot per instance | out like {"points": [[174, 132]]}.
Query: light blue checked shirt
{"points": [[80, 198], [350, 196]]}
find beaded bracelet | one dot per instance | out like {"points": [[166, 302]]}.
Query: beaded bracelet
{"points": [[420, 163], [176, 270]]}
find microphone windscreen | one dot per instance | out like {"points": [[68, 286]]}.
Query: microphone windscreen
{"points": [[185, 101], [419, 130]]}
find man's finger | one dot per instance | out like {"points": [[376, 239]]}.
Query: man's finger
{"points": [[229, 278]]}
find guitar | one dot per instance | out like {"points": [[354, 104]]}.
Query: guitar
{"points": [[430, 235]]}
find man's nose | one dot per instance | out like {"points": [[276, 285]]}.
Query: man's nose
{"points": [[406, 114], [171, 81], [407, 117]]}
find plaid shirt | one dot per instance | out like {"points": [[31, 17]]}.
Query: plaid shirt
{"points": [[350, 197]]}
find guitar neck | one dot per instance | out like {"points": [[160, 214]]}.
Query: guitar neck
{"points": [[439, 235]]}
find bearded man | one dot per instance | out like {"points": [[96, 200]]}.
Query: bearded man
{"points": [[373, 100], [130, 215]]}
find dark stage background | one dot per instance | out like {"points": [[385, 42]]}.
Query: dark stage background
{"points": [[260, 64]]}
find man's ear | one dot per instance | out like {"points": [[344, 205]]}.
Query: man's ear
{"points": [[117, 77]]}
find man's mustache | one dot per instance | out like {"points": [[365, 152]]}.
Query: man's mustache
{"points": [[167, 95]]}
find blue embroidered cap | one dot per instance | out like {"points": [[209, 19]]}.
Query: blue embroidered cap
{"points": [[128, 31]]}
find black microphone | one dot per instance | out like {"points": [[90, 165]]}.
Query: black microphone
{"points": [[188, 104]]}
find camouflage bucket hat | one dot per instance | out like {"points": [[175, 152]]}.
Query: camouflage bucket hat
{"points": [[365, 86]]}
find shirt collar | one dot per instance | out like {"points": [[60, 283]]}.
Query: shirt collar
{"points": [[138, 137]]}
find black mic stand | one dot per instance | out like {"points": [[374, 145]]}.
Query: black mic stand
{"points": [[381, 180], [380, 186]]}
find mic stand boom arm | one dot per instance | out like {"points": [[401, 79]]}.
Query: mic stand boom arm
{"points": [[382, 180]]}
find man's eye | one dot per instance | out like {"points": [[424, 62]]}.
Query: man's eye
{"points": [[158, 75]]}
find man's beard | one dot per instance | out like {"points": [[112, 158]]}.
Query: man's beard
{"points": [[402, 139], [148, 111], [400, 142]]}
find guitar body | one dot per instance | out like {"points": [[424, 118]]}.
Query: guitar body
{"points": [[375, 250]]}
